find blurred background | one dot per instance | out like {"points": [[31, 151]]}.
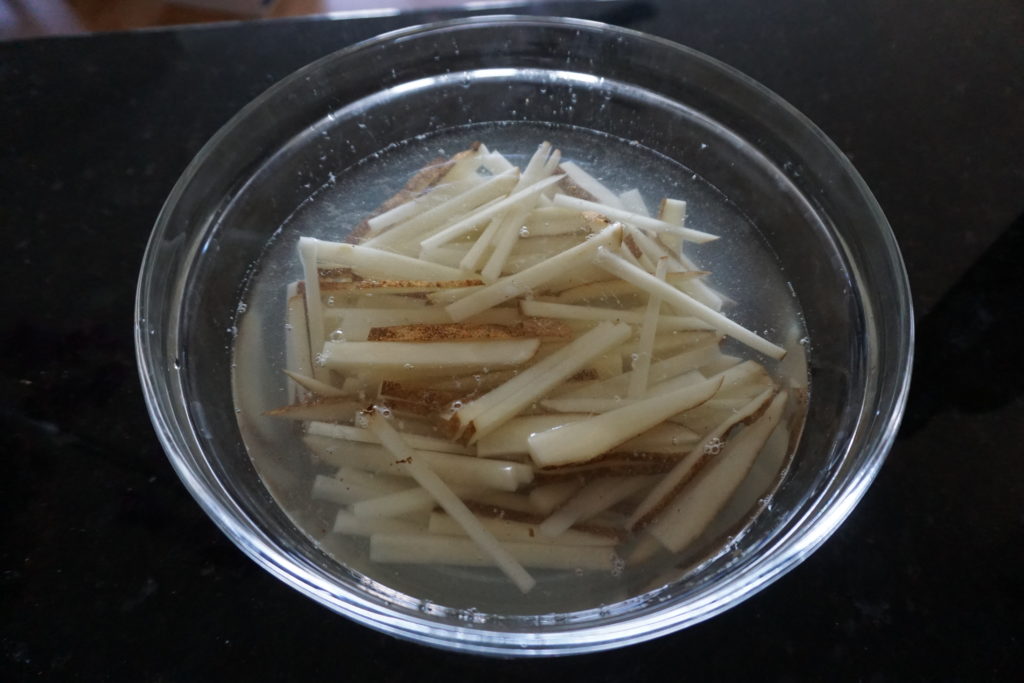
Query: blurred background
{"points": [[32, 18]]}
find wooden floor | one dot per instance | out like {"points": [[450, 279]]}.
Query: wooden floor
{"points": [[32, 18]]}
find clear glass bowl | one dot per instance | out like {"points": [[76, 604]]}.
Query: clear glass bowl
{"points": [[811, 206]]}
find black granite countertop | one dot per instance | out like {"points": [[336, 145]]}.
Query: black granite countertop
{"points": [[109, 569]]}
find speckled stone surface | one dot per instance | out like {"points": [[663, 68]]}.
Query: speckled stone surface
{"points": [[110, 571]]}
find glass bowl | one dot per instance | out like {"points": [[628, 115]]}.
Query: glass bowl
{"points": [[809, 205]]}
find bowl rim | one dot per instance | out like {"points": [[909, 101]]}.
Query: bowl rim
{"points": [[176, 435]]}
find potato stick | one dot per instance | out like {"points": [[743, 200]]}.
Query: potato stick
{"points": [[452, 550], [332, 490], [369, 262], [648, 328], [550, 221], [673, 366], [548, 309], [696, 506], [615, 289], [595, 497], [465, 165], [450, 255], [494, 408], [686, 304], [719, 363], [520, 262], [298, 357], [349, 356], [351, 433], [502, 500], [547, 497], [447, 296], [370, 288], [607, 365], [396, 504], [685, 469], [501, 475], [521, 532], [672, 342], [625, 253], [640, 257], [546, 245], [406, 234], [476, 218], [339, 409], [591, 185], [347, 523], [678, 262], [673, 211], [357, 322], [496, 163], [532, 278], [635, 219], [386, 301], [602, 404], [481, 245], [544, 329], [587, 439], [506, 235], [510, 438], [704, 418], [446, 498], [314, 385], [632, 200], [381, 483], [438, 194], [308, 255], [663, 438]]}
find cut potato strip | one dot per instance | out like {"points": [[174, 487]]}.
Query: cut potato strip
{"points": [[522, 532], [351, 433], [349, 356], [571, 312], [595, 497], [460, 470], [392, 505], [686, 304], [475, 219], [371, 263], [375, 287], [547, 497], [297, 353], [614, 290], [452, 550], [347, 523], [685, 469], [633, 201], [549, 221], [437, 195], [648, 329], [473, 197], [510, 438], [315, 386], [342, 492], [308, 255], [534, 277], [694, 508], [591, 185], [482, 540], [493, 409], [340, 409], [674, 366], [537, 328], [587, 439], [635, 219]]}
